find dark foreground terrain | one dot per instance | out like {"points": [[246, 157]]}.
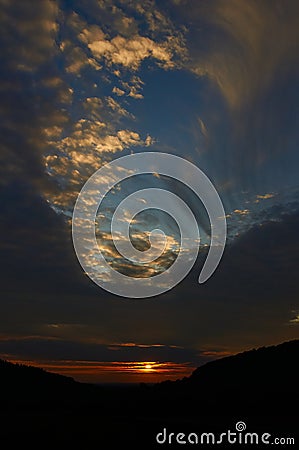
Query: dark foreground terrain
{"points": [[258, 388]]}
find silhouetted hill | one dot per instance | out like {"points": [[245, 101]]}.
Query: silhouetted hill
{"points": [[262, 380], [263, 368], [29, 375], [26, 385]]}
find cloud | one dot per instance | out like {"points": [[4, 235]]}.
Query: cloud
{"points": [[76, 59], [202, 127], [241, 45], [32, 229], [33, 94], [140, 240], [115, 106], [245, 59], [295, 319], [97, 361], [61, 149], [149, 141], [67, 349], [264, 196], [77, 156], [133, 87], [36, 30], [243, 305], [118, 91], [131, 52], [124, 45], [242, 212], [90, 142]]}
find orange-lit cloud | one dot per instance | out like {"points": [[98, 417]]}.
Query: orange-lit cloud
{"points": [[129, 48], [130, 52], [140, 240], [133, 87], [295, 319], [75, 157], [242, 212], [118, 91], [76, 59], [264, 197]]}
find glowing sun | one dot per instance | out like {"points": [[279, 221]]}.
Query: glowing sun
{"points": [[148, 366]]}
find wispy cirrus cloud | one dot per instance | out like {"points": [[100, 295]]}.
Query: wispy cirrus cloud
{"points": [[239, 53], [246, 55]]}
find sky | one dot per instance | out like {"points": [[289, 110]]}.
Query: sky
{"points": [[83, 83]]}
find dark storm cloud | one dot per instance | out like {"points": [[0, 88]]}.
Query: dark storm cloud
{"points": [[37, 256], [36, 245], [251, 296], [32, 94], [34, 348]]}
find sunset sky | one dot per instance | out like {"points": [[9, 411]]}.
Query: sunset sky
{"points": [[86, 81]]}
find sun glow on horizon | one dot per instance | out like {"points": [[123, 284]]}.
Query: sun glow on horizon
{"points": [[148, 367], [116, 371]]}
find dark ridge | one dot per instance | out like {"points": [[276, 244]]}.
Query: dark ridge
{"points": [[26, 386], [11, 372], [264, 367], [265, 379]]}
